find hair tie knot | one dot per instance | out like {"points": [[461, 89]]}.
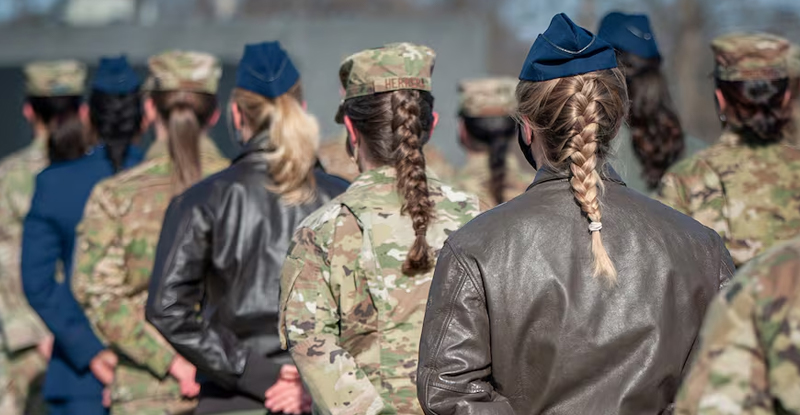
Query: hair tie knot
{"points": [[595, 226]]}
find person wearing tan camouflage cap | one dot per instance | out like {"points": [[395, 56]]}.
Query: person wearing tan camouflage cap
{"points": [[52, 108], [743, 186], [486, 128], [354, 287], [118, 235]]}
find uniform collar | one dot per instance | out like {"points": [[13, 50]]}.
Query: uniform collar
{"points": [[159, 149], [259, 143], [480, 160], [547, 174], [476, 160], [381, 175]]}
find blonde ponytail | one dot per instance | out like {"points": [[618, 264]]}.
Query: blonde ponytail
{"points": [[293, 141], [578, 116]]}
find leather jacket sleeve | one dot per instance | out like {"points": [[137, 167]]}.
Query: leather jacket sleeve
{"points": [[455, 361], [726, 267], [190, 239]]}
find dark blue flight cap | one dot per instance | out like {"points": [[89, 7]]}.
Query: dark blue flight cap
{"points": [[115, 76], [566, 49], [266, 69], [629, 33]]}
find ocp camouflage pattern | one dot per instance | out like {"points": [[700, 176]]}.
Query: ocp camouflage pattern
{"points": [[184, 71], [22, 329], [349, 316], [476, 176], [392, 67], [750, 56], [55, 78], [115, 251], [487, 97], [749, 194], [749, 356]]}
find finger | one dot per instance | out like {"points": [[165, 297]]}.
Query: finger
{"points": [[110, 359], [289, 372], [287, 404], [290, 399], [104, 374], [284, 388], [107, 397], [276, 389]]}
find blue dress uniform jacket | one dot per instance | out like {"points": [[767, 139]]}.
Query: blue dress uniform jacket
{"points": [[48, 243]]}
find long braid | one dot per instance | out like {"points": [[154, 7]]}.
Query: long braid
{"points": [[581, 150], [412, 182]]}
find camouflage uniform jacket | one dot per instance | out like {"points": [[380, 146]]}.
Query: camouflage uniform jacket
{"points": [[335, 160], [349, 317], [475, 177], [21, 326], [115, 251], [749, 194], [749, 358]]}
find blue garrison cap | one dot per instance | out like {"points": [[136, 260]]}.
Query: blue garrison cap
{"points": [[266, 69], [115, 76], [566, 49], [629, 33]]}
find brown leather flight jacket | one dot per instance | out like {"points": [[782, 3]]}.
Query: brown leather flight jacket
{"points": [[517, 324]]}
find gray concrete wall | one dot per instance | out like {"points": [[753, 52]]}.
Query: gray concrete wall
{"points": [[317, 46]]}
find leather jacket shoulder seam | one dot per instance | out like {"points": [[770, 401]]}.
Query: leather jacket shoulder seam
{"points": [[449, 317], [467, 271]]}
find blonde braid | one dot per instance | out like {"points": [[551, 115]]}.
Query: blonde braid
{"points": [[581, 150]]}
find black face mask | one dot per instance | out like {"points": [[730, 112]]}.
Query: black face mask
{"points": [[234, 133], [526, 149]]}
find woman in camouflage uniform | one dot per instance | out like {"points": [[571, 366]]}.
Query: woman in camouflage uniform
{"points": [[119, 232], [486, 128], [745, 187], [52, 107], [354, 287]]}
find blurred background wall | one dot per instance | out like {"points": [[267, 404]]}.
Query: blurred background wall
{"points": [[472, 38]]}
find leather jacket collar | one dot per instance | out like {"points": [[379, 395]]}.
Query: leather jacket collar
{"points": [[548, 174], [259, 143]]}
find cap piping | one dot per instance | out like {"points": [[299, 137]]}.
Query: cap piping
{"points": [[570, 51]]}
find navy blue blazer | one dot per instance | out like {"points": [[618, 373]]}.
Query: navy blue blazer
{"points": [[48, 240]]}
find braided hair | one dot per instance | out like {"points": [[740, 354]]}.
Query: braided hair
{"points": [[117, 120], [577, 118], [656, 132], [757, 109], [394, 126], [492, 134]]}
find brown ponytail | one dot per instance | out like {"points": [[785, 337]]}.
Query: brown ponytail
{"points": [[394, 126], [293, 141], [185, 114], [67, 138], [576, 118], [757, 109], [492, 134]]}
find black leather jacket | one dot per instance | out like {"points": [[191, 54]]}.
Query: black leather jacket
{"points": [[222, 247], [516, 324]]}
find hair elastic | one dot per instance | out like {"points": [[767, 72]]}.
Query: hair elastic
{"points": [[595, 226]]}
